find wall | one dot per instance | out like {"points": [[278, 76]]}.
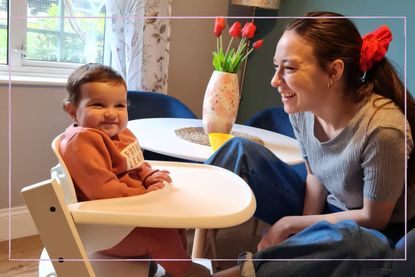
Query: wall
{"points": [[258, 93], [4, 148], [192, 44], [36, 118]]}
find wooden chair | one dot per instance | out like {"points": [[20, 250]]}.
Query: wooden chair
{"points": [[74, 232], [61, 238]]}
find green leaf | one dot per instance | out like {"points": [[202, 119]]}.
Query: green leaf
{"points": [[235, 63], [218, 61], [227, 59]]}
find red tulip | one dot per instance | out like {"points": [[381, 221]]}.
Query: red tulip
{"points": [[248, 31], [219, 26], [235, 30], [257, 44]]}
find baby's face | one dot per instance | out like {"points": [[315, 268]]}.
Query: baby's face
{"points": [[103, 106]]}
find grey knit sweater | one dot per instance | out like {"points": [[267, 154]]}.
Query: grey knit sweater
{"points": [[366, 160]]}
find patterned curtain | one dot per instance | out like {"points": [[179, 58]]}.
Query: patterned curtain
{"points": [[140, 42]]}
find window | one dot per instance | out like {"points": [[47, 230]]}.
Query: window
{"points": [[52, 36], [78, 38], [3, 31]]}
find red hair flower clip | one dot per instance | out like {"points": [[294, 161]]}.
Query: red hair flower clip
{"points": [[374, 47]]}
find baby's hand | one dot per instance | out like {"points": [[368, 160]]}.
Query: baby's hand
{"points": [[158, 177], [155, 186]]}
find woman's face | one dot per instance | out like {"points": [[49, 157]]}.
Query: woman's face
{"points": [[301, 82]]}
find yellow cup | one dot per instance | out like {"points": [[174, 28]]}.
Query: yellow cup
{"points": [[217, 139]]}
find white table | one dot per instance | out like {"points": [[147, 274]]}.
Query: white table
{"points": [[157, 135]]}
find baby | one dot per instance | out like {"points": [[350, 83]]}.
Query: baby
{"points": [[105, 161]]}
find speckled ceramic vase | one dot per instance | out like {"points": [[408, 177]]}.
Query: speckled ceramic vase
{"points": [[221, 102]]}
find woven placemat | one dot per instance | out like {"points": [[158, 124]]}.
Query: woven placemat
{"points": [[197, 135]]}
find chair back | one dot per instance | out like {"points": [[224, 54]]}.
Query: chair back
{"points": [[57, 228], [61, 174], [272, 119], [152, 104], [64, 245], [276, 120]]}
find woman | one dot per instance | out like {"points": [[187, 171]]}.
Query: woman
{"points": [[346, 105]]}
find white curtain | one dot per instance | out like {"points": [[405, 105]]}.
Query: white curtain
{"points": [[140, 42]]}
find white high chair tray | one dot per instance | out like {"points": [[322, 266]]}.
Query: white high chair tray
{"points": [[200, 196]]}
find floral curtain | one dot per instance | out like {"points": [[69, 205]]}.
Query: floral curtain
{"points": [[140, 42]]}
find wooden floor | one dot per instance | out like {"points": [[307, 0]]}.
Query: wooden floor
{"points": [[230, 242], [25, 248]]}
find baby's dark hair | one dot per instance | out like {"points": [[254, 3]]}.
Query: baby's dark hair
{"points": [[88, 73]]}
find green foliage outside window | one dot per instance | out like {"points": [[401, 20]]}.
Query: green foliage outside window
{"points": [[3, 45], [51, 39], [3, 32]]}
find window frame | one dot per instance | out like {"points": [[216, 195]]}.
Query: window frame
{"points": [[7, 28], [18, 65]]}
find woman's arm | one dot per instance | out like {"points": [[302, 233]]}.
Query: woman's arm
{"points": [[374, 214], [315, 194]]}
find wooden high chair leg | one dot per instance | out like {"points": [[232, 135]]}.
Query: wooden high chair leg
{"points": [[198, 243], [213, 247]]}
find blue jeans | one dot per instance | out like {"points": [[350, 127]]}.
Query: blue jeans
{"points": [[278, 189], [335, 244]]}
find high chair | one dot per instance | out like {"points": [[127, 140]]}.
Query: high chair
{"points": [[73, 232]]}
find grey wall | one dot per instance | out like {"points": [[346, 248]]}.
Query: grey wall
{"points": [[4, 148], [258, 93], [192, 44], [36, 118]]}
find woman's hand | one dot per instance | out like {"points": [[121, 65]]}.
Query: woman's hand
{"points": [[281, 230]]}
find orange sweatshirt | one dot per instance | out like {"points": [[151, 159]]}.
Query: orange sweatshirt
{"points": [[104, 167]]}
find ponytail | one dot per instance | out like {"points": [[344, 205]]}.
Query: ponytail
{"points": [[383, 79]]}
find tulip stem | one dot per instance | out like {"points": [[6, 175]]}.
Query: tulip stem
{"points": [[249, 52], [241, 42], [229, 46], [220, 41]]}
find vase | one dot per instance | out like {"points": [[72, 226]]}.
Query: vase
{"points": [[221, 103]]}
